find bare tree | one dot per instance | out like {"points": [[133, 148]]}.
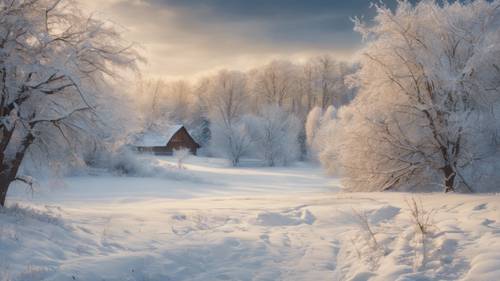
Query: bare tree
{"points": [[232, 142], [275, 134], [325, 68], [307, 84], [53, 61], [226, 98], [274, 83], [179, 101], [151, 98]]}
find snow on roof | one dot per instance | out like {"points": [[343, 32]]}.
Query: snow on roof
{"points": [[155, 138]]}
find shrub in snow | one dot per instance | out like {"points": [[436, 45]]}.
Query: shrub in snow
{"points": [[26, 213], [363, 221], [181, 155], [127, 162], [425, 116], [422, 220]]}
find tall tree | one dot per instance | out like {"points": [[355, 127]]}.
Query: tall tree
{"points": [[226, 99], [274, 83], [275, 133], [53, 60], [307, 85], [426, 112]]}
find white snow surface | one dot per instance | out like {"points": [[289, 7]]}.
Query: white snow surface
{"points": [[247, 223]]}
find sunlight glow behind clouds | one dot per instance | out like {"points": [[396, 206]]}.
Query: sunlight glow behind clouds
{"points": [[184, 39]]}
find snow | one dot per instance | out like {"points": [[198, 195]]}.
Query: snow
{"points": [[246, 223], [149, 139]]}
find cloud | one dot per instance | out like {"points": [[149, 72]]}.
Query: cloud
{"points": [[185, 38]]}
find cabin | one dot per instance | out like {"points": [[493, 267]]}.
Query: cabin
{"points": [[176, 137]]}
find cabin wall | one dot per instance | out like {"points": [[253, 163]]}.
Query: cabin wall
{"points": [[157, 150], [182, 140]]}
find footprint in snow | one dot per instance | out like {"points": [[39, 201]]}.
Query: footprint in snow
{"points": [[265, 238], [179, 217], [285, 219], [480, 207], [384, 213], [232, 242], [491, 224], [286, 240], [487, 222]]}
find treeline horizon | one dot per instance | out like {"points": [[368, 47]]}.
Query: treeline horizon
{"points": [[295, 87]]}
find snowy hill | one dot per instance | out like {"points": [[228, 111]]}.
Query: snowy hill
{"points": [[249, 223]]}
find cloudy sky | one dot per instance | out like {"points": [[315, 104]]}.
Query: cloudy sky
{"points": [[187, 38]]}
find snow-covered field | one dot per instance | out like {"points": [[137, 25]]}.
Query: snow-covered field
{"points": [[250, 223]]}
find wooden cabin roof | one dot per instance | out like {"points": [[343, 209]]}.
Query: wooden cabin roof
{"points": [[150, 139]]}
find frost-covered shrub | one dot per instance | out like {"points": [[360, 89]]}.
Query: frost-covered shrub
{"points": [[127, 162], [181, 155], [21, 213], [123, 161]]}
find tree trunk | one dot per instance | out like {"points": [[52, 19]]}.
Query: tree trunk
{"points": [[8, 174], [449, 178], [324, 98], [309, 101], [236, 161], [4, 187]]}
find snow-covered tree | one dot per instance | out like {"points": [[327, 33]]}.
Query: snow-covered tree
{"points": [[53, 63], [231, 141], [275, 134], [425, 114], [226, 98], [312, 126], [317, 132]]}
